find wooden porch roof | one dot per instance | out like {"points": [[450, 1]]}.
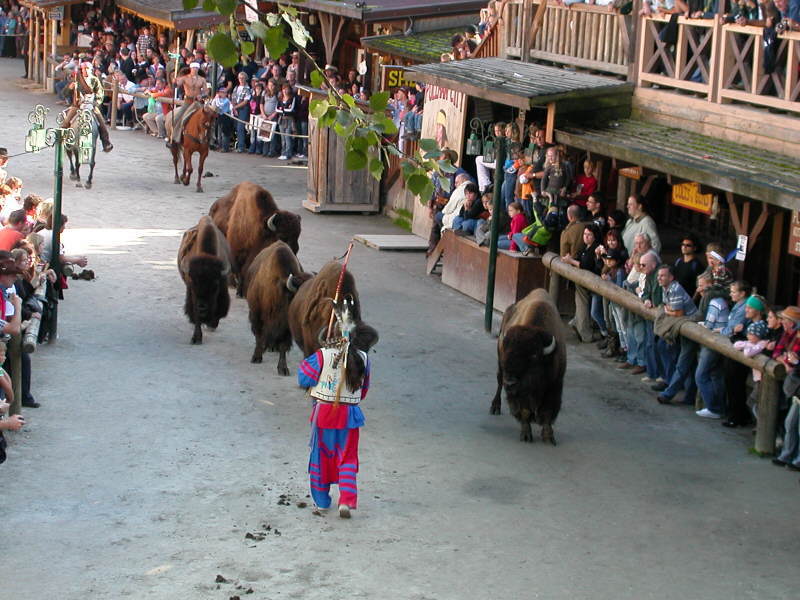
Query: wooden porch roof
{"points": [[518, 84], [171, 14], [423, 47], [727, 166], [387, 10]]}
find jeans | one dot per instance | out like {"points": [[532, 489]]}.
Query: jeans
{"points": [[509, 183], [301, 144], [789, 454], [243, 114], [503, 243], [666, 357], [710, 380], [467, 225], [519, 240], [636, 340], [650, 350], [286, 125], [597, 314], [683, 373], [223, 132], [256, 146], [618, 314]]}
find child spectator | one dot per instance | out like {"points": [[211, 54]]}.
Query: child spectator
{"points": [[721, 276], [224, 125], [755, 343], [518, 223], [585, 184], [483, 227], [510, 174]]}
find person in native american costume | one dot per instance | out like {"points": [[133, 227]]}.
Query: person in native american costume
{"points": [[337, 376], [194, 93]]}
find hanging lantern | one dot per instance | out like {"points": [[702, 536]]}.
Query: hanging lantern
{"points": [[489, 149], [474, 143]]}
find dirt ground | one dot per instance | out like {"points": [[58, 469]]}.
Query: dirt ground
{"points": [[151, 460]]}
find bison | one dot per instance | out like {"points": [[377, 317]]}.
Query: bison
{"points": [[531, 360], [204, 262], [254, 223], [274, 277], [310, 310], [220, 211]]}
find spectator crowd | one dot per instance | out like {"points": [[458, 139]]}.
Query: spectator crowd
{"points": [[28, 286]]}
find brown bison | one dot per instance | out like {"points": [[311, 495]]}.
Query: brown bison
{"points": [[204, 262], [310, 310], [531, 360], [254, 223], [220, 211], [274, 277]]}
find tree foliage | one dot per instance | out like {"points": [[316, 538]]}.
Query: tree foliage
{"points": [[366, 129]]}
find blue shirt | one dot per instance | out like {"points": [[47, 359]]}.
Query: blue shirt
{"points": [[676, 298], [736, 317], [716, 315]]}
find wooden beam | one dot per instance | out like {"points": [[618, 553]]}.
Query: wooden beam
{"points": [[550, 123], [775, 255], [759, 226], [737, 223]]}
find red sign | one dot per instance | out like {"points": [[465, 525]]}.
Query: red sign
{"points": [[794, 234]]}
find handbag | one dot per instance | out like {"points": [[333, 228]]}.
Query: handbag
{"points": [[536, 234]]}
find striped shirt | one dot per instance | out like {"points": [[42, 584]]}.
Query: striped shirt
{"points": [[676, 298], [241, 93]]}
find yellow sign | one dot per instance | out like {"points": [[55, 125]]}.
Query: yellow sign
{"points": [[794, 234], [631, 172], [395, 77], [688, 196]]}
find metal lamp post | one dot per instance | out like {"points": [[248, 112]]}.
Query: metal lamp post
{"points": [[60, 138]]}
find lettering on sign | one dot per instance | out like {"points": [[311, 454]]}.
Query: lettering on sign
{"points": [[794, 234], [687, 195], [395, 77], [631, 172]]}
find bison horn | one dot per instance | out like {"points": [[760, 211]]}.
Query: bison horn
{"points": [[271, 223], [290, 284], [550, 347]]}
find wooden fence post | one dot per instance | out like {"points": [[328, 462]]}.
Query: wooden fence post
{"points": [[114, 94], [767, 422]]}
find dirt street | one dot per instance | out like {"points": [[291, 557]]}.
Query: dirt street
{"points": [[154, 467]]}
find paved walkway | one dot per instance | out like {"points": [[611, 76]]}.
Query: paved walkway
{"points": [[151, 459]]}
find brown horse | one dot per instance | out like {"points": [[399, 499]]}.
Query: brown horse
{"points": [[196, 134]]}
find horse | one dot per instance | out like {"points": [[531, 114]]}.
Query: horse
{"points": [[86, 120], [196, 134]]}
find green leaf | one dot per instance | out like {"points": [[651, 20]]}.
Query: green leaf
{"points": [[392, 149], [300, 34], [248, 48], [289, 10], [358, 113], [408, 168], [445, 166], [385, 125], [376, 168], [428, 145], [378, 102], [359, 143], [374, 140], [209, 5], [257, 29], [417, 183], [444, 183], [355, 160], [317, 79], [275, 41], [189, 4], [329, 117], [344, 118], [223, 50], [273, 19], [349, 100], [226, 7], [318, 108]]}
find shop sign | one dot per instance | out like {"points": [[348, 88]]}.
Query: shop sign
{"points": [[794, 234], [444, 117], [631, 172], [687, 195], [395, 77]]}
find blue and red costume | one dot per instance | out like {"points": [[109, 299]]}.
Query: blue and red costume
{"points": [[334, 437]]}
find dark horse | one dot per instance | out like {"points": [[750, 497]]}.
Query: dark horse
{"points": [[86, 121], [196, 134]]}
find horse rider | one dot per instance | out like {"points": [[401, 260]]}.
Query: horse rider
{"points": [[89, 92], [194, 91]]}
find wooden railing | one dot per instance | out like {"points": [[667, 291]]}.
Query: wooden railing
{"points": [[722, 62], [741, 68], [490, 44], [580, 35], [688, 63], [410, 148]]}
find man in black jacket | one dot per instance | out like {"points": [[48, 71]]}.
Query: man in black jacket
{"points": [[470, 212]]}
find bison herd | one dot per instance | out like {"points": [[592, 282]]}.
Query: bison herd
{"points": [[247, 242]]}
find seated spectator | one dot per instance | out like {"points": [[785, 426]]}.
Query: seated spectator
{"points": [[471, 210], [484, 225], [446, 218], [585, 309], [518, 223], [688, 266], [640, 222], [47, 247], [484, 164], [755, 343], [13, 231], [709, 375]]}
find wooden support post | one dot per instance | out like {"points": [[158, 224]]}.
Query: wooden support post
{"points": [[114, 96], [527, 25], [767, 421], [745, 226], [622, 191], [35, 49], [550, 125], [775, 255], [31, 24]]}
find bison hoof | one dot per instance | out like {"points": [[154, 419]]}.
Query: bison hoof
{"points": [[73, 177], [547, 435], [177, 180], [283, 371], [199, 190], [495, 409], [525, 435], [256, 359], [196, 340], [88, 185]]}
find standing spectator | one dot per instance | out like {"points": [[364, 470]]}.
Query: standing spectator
{"points": [[13, 231], [787, 351], [709, 374], [270, 109], [301, 144], [242, 94], [224, 124], [287, 109], [688, 266], [585, 184], [677, 303], [145, 42], [256, 104], [585, 309], [556, 179], [640, 222], [594, 210]]}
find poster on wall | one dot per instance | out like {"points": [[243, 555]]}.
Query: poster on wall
{"points": [[794, 234], [444, 119]]}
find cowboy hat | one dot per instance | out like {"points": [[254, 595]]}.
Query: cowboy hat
{"points": [[790, 312]]}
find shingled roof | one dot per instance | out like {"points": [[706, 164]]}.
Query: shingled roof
{"points": [[170, 13], [422, 47], [383, 10]]}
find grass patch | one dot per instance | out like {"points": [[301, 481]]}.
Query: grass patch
{"points": [[402, 223]]}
